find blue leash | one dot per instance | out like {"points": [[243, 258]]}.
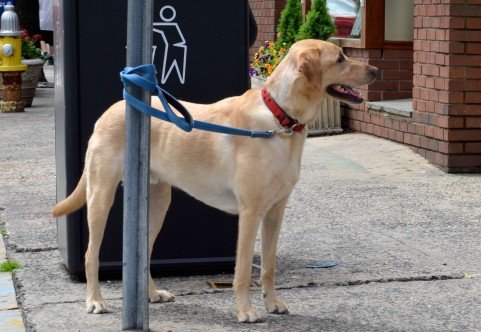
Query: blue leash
{"points": [[144, 77]]}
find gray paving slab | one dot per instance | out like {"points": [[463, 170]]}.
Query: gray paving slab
{"points": [[397, 306], [388, 191], [27, 174], [402, 233]]}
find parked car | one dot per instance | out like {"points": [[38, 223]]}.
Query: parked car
{"points": [[344, 13]]}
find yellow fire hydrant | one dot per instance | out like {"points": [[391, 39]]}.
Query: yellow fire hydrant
{"points": [[11, 66]]}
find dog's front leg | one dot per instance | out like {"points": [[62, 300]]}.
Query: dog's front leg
{"points": [[248, 225], [271, 227]]}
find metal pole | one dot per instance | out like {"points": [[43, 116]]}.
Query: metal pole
{"points": [[136, 181]]}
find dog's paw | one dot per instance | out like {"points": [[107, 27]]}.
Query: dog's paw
{"points": [[96, 307], [161, 296], [276, 307], [249, 316]]}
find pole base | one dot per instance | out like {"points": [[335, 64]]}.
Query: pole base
{"points": [[11, 106]]}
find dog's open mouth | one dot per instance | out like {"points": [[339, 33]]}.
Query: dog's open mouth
{"points": [[344, 92]]}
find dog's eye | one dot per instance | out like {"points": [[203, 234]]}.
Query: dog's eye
{"points": [[341, 58]]}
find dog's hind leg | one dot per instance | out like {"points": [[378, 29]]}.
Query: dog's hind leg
{"points": [[102, 182], [249, 221], [160, 196], [270, 234]]}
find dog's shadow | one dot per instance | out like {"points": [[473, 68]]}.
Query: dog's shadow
{"points": [[198, 306], [204, 315]]}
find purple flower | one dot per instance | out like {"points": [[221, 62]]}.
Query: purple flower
{"points": [[253, 72]]}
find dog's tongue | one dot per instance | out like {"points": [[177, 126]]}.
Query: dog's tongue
{"points": [[345, 93], [347, 90]]}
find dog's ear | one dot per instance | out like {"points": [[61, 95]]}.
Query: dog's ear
{"points": [[309, 64]]}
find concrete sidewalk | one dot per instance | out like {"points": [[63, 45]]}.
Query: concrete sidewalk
{"points": [[406, 238]]}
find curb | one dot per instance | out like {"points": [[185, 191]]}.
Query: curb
{"points": [[10, 315]]}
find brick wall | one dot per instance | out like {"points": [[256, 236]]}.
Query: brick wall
{"points": [[447, 81], [394, 81], [442, 74], [267, 14], [445, 126], [393, 127], [395, 77]]}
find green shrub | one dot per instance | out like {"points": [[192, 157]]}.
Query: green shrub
{"points": [[319, 24], [291, 20]]}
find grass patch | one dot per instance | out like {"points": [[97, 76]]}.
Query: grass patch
{"points": [[3, 230], [9, 266]]}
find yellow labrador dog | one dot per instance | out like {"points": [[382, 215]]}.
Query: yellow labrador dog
{"points": [[251, 177]]}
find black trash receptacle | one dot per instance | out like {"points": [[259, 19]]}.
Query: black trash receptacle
{"points": [[201, 54]]}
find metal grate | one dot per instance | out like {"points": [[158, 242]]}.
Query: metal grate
{"points": [[329, 119]]}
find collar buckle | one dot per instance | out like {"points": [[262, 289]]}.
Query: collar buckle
{"points": [[286, 132]]}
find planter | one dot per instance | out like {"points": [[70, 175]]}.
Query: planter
{"points": [[329, 119], [30, 79], [257, 82]]}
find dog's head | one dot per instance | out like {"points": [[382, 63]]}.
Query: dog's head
{"points": [[322, 69]]}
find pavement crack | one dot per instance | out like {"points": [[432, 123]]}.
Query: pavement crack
{"points": [[375, 280], [293, 286], [333, 284], [57, 303], [16, 248]]}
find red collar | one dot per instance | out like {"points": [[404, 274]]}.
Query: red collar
{"points": [[285, 120]]}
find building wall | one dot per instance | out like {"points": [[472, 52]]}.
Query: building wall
{"points": [[395, 76], [442, 74], [447, 80], [446, 121], [267, 14], [394, 81]]}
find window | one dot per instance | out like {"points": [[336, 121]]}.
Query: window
{"points": [[398, 20], [386, 24]]}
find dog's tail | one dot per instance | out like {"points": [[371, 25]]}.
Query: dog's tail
{"points": [[74, 202]]}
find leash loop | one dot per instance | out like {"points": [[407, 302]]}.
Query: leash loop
{"points": [[144, 76]]}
